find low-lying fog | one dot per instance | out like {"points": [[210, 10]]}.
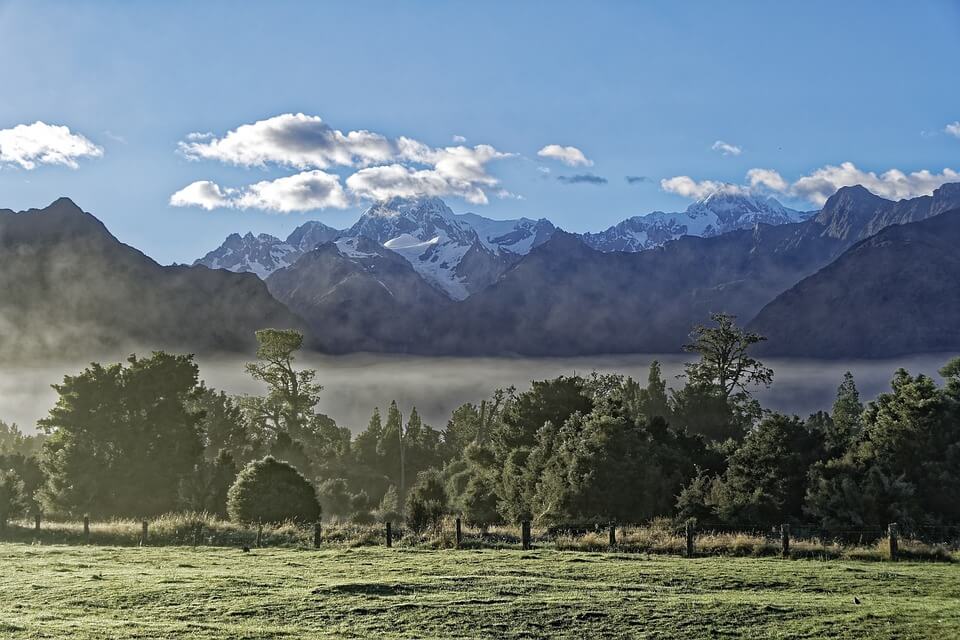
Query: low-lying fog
{"points": [[354, 384]]}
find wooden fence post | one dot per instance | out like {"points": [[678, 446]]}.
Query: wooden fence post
{"points": [[143, 533], [525, 535], [459, 534], [785, 540], [613, 534], [259, 533], [892, 537], [389, 535], [36, 522], [317, 534], [86, 529], [690, 534]]}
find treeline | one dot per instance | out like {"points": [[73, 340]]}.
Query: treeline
{"points": [[146, 437]]}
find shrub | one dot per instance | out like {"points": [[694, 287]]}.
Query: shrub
{"points": [[427, 501], [272, 491], [13, 502]]}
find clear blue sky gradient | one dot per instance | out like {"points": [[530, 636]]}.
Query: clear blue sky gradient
{"points": [[643, 88]]}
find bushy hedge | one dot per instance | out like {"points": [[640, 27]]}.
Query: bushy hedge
{"points": [[269, 490]]}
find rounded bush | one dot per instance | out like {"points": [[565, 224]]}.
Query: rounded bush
{"points": [[269, 490]]}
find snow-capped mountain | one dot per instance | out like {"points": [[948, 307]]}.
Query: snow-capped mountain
{"points": [[516, 236], [717, 213], [444, 248], [263, 254]]}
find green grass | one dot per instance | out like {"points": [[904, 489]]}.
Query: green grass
{"points": [[54, 591]]}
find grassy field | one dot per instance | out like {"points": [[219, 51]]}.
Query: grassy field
{"points": [[203, 592]]}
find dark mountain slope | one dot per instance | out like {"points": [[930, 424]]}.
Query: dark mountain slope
{"points": [[69, 287], [895, 293], [359, 296]]}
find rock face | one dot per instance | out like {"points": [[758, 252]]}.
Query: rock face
{"points": [[71, 288], [894, 293], [263, 254]]}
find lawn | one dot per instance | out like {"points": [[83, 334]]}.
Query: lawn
{"points": [[208, 592]]}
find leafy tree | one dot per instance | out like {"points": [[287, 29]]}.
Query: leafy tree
{"points": [[724, 359], [223, 425], [391, 450], [122, 437], [653, 400], [847, 415], [427, 502], [479, 501], [389, 508], [905, 464], [29, 471], [15, 441], [13, 502], [291, 451], [365, 446], [335, 498], [546, 401], [268, 490], [206, 490], [766, 478], [462, 429], [292, 394]]}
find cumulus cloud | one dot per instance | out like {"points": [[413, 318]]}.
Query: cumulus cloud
{"points": [[29, 145], [821, 183], [386, 167], [570, 156], [953, 129], [637, 179], [202, 193], [697, 190], [582, 178], [304, 191], [459, 139], [726, 148], [893, 184], [294, 140]]}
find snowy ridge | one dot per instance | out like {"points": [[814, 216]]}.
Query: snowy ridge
{"points": [[717, 213]]}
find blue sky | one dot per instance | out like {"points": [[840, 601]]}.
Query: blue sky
{"points": [[641, 89]]}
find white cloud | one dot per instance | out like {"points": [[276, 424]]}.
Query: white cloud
{"points": [[301, 192], [295, 140], [821, 183], [202, 193], [304, 191], [893, 184], [387, 167], [459, 139], [690, 188], [29, 145], [953, 129], [726, 148], [767, 178], [570, 156]]}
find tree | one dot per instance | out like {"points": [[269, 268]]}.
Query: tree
{"points": [[206, 490], [766, 478], [223, 425], [13, 502], [462, 428], [292, 394], [334, 497], [546, 401], [122, 438], [30, 473], [268, 490], [847, 415], [427, 502], [389, 508], [479, 501], [391, 450], [654, 402], [724, 359], [15, 441]]}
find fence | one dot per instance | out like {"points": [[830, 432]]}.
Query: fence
{"points": [[788, 540]]}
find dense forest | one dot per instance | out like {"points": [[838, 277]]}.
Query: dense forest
{"points": [[147, 437]]}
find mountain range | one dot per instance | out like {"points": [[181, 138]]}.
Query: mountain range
{"points": [[411, 276]]}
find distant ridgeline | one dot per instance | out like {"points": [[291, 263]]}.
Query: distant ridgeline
{"points": [[863, 277]]}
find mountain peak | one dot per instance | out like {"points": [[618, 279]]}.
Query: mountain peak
{"points": [[416, 207]]}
